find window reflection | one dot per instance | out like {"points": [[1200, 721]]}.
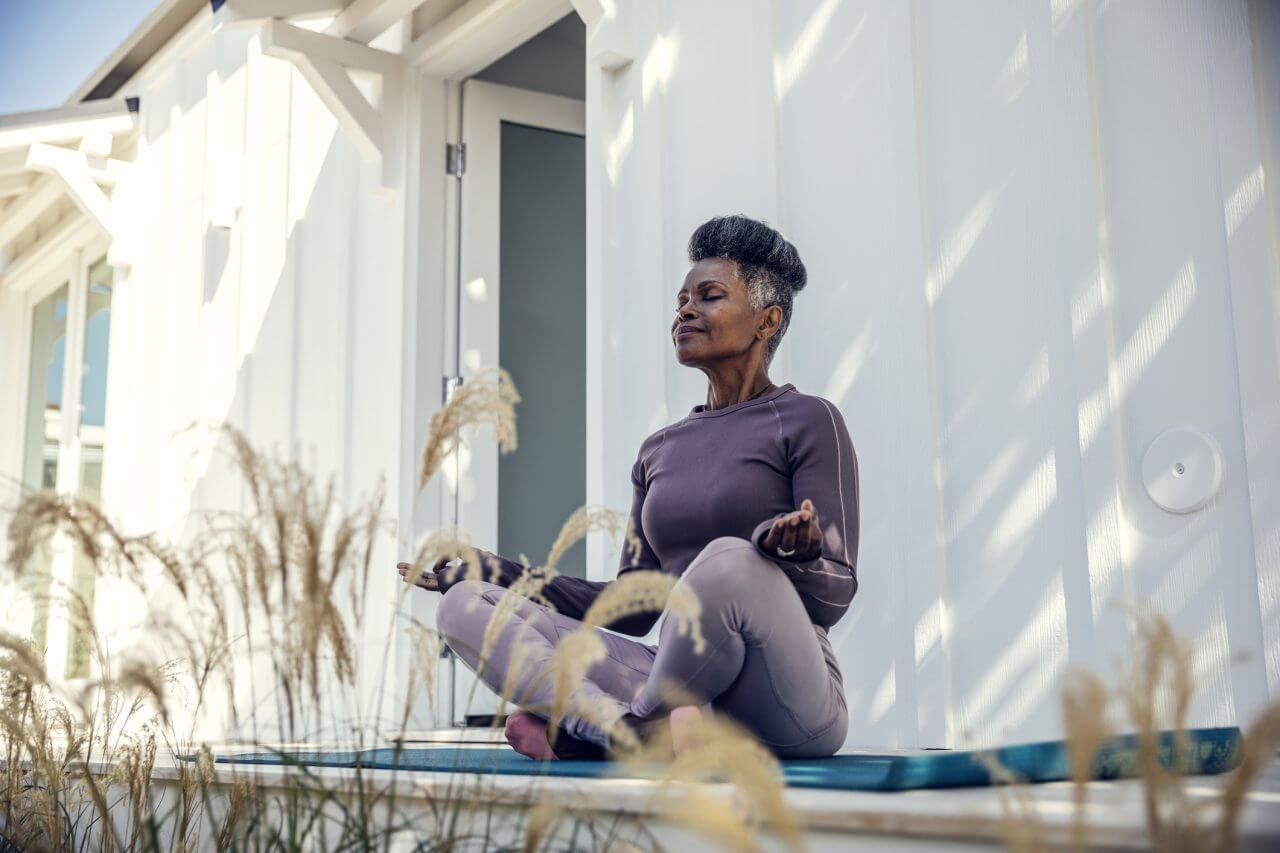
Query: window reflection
{"points": [[93, 419], [43, 434]]}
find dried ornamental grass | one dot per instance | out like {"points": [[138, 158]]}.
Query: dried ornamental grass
{"points": [[647, 590], [1084, 706], [585, 519], [487, 397], [727, 750], [526, 587], [298, 567], [574, 655], [1020, 824], [1156, 691]]}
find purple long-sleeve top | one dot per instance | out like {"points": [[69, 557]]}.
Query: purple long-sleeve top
{"points": [[731, 472]]}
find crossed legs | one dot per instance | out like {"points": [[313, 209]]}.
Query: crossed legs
{"points": [[764, 663]]}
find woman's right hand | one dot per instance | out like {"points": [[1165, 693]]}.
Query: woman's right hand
{"points": [[429, 579]]}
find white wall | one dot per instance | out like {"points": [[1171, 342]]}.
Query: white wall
{"points": [[266, 292], [1036, 239]]}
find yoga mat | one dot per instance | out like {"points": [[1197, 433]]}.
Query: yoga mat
{"points": [[1213, 750]]}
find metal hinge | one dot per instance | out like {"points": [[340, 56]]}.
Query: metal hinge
{"points": [[455, 159], [448, 386]]}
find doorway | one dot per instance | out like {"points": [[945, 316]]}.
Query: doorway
{"points": [[521, 301]]}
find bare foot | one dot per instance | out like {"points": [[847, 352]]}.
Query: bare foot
{"points": [[527, 735], [686, 729]]}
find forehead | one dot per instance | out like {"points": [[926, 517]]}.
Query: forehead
{"points": [[720, 270]]}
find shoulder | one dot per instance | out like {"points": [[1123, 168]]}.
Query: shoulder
{"points": [[810, 423], [801, 410], [651, 443]]}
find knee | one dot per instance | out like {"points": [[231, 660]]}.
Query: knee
{"points": [[727, 568], [456, 605]]}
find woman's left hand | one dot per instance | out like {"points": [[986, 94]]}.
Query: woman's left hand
{"points": [[796, 532]]}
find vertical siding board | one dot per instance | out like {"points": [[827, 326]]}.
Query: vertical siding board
{"points": [[932, 628], [1255, 356], [1159, 153], [625, 125], [1262, 425], [638, 291], [1000, 430], [1060, 219], [268, 334], [719, 144], [849, 199]]}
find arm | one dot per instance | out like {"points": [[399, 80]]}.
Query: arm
{"points": [[573, 596], [824, 469], [569, 595], [637, 558]]}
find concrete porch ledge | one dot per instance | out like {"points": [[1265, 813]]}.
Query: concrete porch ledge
{"points": [[924, 819]]}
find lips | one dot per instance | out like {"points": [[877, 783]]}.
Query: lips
{"points": [[686, 330]]}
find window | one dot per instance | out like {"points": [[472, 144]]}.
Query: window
{"points": [[64, 446]]}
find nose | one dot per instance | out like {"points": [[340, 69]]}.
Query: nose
{"points": [[682, 315]]}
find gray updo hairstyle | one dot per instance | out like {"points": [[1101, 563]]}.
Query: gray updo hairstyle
{"points": [[768, 264]]}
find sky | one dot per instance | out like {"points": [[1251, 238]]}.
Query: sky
{"points": [[49, 47]]}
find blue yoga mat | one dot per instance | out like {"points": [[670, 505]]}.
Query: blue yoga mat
{"points": [[1215, 750]]}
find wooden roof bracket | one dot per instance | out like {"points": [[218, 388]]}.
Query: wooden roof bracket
{"points": [[325, 61], [85, 177]]}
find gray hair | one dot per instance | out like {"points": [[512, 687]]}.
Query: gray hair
{"points": [[768, 264]]}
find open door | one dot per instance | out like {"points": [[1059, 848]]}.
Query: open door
{"points": [[521, 305]]}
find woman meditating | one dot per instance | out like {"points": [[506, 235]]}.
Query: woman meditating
{"points": [[751, 499]]}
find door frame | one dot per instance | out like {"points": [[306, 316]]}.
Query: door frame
{"points": [[472, 282], [485, 107]]}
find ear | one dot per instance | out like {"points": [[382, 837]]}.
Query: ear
{"points": [[770, 322]]}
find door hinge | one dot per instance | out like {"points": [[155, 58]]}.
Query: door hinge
{"points": [[456, 159], [448, 386]]}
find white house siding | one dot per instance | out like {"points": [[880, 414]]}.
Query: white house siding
{"points": [[1037, 238], [265, 292]]}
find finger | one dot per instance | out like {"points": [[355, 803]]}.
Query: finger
{"points": [[771, 538], [789, 538], [810, 538]]}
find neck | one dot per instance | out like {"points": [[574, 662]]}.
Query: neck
{"points": [[736, 391]]}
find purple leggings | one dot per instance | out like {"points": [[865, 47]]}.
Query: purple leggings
{"points": [[764, 664]]}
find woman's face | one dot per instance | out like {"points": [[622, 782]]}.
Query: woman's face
{"points": [[714, 318]]}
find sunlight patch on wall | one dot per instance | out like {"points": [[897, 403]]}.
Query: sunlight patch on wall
{"points": [[1061, 10], [1035, 381], [1015, 74], [993, 706], [1138, 353], [619, 145], [1102, 543], [658, 65], [955, 250], [1151, 335], [851, 362], [1029, 504], [931, 627], [1243, 200], [983, 491], [1186, 580], [886, 693], [477, 290], [1086, 304], [789, 66]]}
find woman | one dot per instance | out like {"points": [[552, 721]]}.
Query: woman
{"points": [[751, 499]]}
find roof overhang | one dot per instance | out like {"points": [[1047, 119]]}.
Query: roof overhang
{"points": [[50, 156]]}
